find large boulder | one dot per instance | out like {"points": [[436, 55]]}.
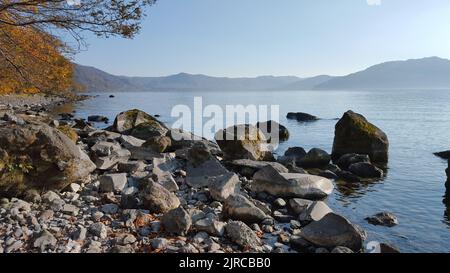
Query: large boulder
{"points": [[354, 134], [243, 142], [272, 127], [37, 156], [334, 230], [138, 124], [298, 185]]}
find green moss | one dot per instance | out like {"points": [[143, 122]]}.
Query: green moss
{"points": [[365, 126], [69, 132]]}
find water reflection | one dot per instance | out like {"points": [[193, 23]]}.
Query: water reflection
{"points": [[354, 190]]}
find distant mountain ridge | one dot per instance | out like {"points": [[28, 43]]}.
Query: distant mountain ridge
{"points": [[432, 72]]}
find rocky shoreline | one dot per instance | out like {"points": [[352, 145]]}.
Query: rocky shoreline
{"points": [[140, 186]]}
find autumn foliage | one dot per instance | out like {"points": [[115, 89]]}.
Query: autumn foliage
{"points": [[32, 59]]}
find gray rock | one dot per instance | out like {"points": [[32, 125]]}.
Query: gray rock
{"points": [[210, 226], [177, 221], [238, 207], [243, 142], [291, 184], [44, 241], [342, 250], [366, 170], [348, 159], [302, 117], [314, 212], [242, 235], [354, 134], [104, 148], [315, 158], [98, 118], [158, 199], [334, 230], [130, 142], [248, 168], [110, 208], [49, 196], [74, 187], [383, 219], [122, 249], [202, 175], [279, 202], [222, 186], [328, 174], [79, 234], [99, 230], [159, 243], [70, 209], [108, 162], [131, 166], [115, 182], [63, 161]]}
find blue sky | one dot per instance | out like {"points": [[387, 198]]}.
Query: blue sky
{"points": [[267, 37]]}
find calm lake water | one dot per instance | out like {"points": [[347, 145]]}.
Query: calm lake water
{"points": [[416, 122]]}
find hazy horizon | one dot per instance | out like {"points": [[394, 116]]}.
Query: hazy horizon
{"points": [[257, 38]]}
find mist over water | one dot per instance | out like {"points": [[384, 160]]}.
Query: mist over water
{"points": [[417, 123]]}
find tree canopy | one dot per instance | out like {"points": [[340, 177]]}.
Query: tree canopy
{"points": [[34, 59]]}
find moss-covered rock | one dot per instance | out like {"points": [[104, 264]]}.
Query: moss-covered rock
{"points": [[243, 142], [138, 124], [37, 156], [158, 143], [354, 134], [69, 132]]}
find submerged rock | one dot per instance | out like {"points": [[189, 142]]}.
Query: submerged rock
{"points": [[366, 170], [334, 230], [383, 219], [243, 142], [37, 156], [291, 184], [303, 117], [354, 134], [346, 160]]}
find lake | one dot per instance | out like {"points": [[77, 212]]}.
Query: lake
{"points": [[417, 123]]}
